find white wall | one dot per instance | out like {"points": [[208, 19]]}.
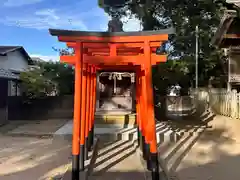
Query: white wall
{"points": [[13, 61]]}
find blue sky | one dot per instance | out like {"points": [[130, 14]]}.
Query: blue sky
{"points": [[26, 22]]}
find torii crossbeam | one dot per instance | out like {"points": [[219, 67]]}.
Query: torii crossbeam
{"points": [[131, 51]]}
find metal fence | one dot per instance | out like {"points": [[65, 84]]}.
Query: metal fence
{"points": [[173, 107]]}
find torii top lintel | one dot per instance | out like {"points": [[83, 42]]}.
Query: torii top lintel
{"points": [[113, 48]]}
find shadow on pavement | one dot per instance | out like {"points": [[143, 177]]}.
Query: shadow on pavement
{"points": [[32, 158], [212, 154], [110, 159]]}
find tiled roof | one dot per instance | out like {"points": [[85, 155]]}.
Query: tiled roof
{"points": [[61, 32], [7, 74], [7, 49]]}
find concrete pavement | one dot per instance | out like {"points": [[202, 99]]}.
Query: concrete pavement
{"points": [[31, 158], [116, 161], [213, 154]]}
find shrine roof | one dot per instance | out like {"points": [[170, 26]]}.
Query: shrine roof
{"points": [[229, 24], [236, 2], [61, 32]]}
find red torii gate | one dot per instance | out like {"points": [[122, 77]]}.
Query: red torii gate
{"points": [[130, 51]]}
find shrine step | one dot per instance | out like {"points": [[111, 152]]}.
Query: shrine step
{"points": [[171, 154], [127, 119], [113, 133]]}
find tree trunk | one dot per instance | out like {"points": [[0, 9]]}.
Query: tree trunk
{"points": [[163, 109]]}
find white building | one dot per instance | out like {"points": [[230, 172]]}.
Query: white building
{"points": [[13, 60]]}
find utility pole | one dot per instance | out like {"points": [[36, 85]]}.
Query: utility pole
{"points": [[196, 58]]}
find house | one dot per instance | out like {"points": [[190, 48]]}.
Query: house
{"points": [[13, 60], [227, 39]]}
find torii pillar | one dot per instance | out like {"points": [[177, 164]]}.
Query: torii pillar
{"points": [[130, 51]]}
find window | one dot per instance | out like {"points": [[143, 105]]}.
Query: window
{"points": [[14, 88]]}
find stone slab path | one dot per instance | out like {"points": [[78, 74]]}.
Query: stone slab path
{"points": [[119, 162], [116, 161]]}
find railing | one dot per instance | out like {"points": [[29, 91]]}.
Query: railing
{"points": [[93, 159], [168, 107]]}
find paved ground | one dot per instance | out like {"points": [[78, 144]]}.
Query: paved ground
{"points": [[215, 155], [32, 158], [33, 128], [118, 160], [28, 151]]}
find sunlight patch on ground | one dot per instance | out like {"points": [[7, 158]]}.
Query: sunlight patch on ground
{"points": [[217, 147], [21, 163], [56, 172], [23, 156]]}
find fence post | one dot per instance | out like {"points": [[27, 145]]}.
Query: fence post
{"points": [[238, 112], [234, 104], [221, 103]]}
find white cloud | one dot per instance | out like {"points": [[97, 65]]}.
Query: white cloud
{"points": [[66, 17], [45, 19], [45, 57], [131, 24], [17, 3], [47, 12]]}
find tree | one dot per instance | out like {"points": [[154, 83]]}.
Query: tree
{"points": [[183, 15], [34, 85], [61, 74], [47, 78]]}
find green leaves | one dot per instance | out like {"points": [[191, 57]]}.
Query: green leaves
{"points": [[183, 15], [35, 85], [46, 79]]}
